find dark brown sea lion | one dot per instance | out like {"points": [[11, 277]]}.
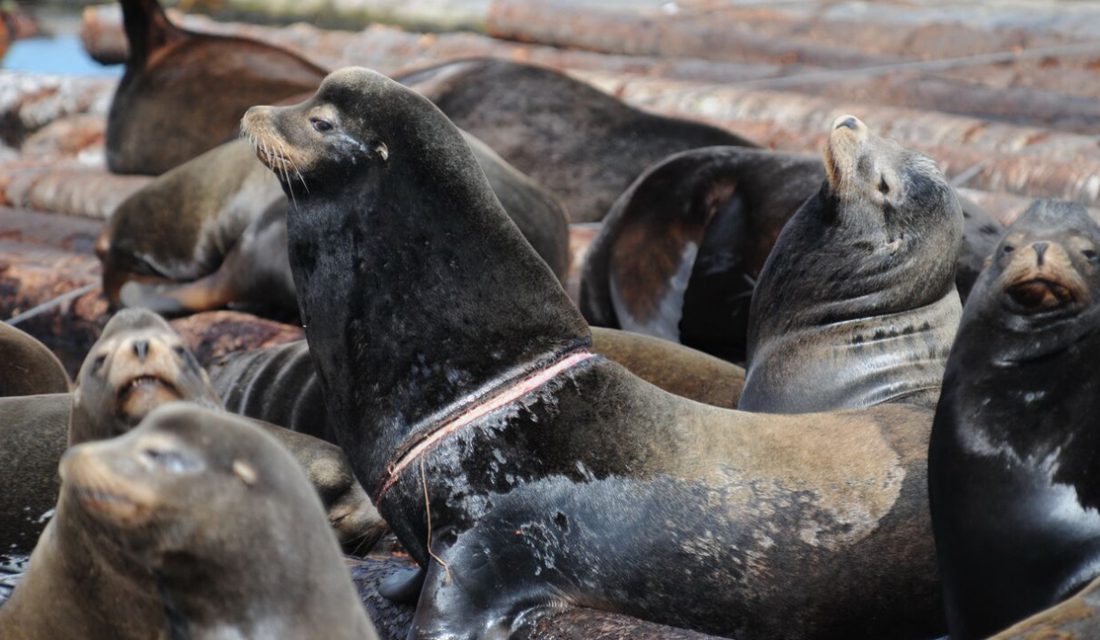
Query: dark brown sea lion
{"points": [[582, 144], [138, 364], [30, 367], [279, 384], [196, 524], [218, 224], [681, 250], [1015, 448], [460, 383], [857, 304], [183, 92]]}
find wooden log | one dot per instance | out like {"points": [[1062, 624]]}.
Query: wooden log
{"points": [[69, 187], [30, 101]]}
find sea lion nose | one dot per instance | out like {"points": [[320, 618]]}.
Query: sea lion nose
{"points": [[1040, 249], [141, 349], [847, 122]]}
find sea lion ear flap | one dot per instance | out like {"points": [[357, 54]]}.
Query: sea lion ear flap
{"points": [[382, 150], [244, 471]]}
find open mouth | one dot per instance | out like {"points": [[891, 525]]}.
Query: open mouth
{"points": [[1041, 294], [142, 394]]}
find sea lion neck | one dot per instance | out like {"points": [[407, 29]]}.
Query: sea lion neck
{"points": [[415, 288]]}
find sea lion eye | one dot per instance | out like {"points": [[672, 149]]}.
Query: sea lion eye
{"points": [[97, 364], [168, 460], [883, 188], [319, 125], [1008, 248]]}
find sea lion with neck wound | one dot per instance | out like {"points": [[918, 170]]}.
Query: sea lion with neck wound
{"points": [[195, 524], [1013, 458], [137, 364], [279, 384], [856, 304], [213, 232], [460, 384]]}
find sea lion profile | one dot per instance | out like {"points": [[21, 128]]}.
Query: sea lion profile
{"points": [[30, 368], [139, 363], [213, 232], [1013, 456], [681, 250], [581, 144], [279, 384], [460, 383], [155, 536], [172, 103], [857, 305]]}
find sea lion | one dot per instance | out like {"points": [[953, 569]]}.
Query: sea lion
{"points": [[279, 384], [681, 250], [30, 368], [460, 383], [580, 143], [172, 103], [139, 363], [1075, 618], [856, 304], [1013, 455], [218, 223], [196, 524]]}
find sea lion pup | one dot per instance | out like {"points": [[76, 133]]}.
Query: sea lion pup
{"points": [[583, 145], [156, 537], [1013, 456], [857, 304], [460, 383], [30, 368], [172, 103], [681, 250], [279, 384], [218, 224], [139, 363]]}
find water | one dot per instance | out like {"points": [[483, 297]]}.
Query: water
{"points": [[62, 54]]}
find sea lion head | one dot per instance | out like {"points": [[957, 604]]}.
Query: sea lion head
{"points": [[187, 493], [878, 184], [138, 363], [1041, 283]]}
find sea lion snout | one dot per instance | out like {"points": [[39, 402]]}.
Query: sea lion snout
{"points": [[103, 483], [1041, 277]]}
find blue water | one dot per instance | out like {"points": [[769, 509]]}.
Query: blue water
{"points": [[63, 54]]}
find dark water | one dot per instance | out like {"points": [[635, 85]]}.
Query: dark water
{"points": [[61, 54]]}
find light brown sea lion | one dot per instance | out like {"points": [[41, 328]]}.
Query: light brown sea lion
{"points": [[138, 364], [459, 380], [196, 524], [30, 367], [183, 92]]}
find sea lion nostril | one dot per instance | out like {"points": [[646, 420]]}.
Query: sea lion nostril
{"points": [[1040, 249], [141, 349]]}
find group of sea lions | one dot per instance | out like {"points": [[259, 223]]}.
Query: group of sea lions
{"points": [[889, 463]]}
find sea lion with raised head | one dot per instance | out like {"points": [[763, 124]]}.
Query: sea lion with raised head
{"points": [[856, 304], [518, 466], [681, 250], [279, 384], [1014, 453], [139, 363], [213, 232], [30, 368], [196, 524]]}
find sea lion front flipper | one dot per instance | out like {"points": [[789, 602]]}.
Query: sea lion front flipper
{"points": [[203, 294], [404, 586]]}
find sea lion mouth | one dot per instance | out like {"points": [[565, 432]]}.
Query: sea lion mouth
{"points": [[1041, 294], [102, 492], [141, 394]]}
